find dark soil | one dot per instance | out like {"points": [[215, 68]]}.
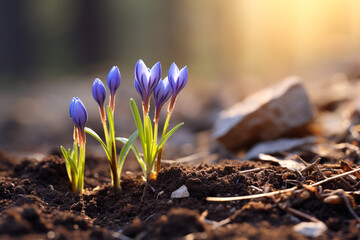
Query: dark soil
{"points": [[36, 203]]}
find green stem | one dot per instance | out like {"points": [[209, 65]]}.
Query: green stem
{"points": [[166, 125], [106, 132], [81, 169], [73, 181], [115, 177], [159, 155], [146, 145], [154, 144], [156, 126]]}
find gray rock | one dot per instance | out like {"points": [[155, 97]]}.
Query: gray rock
{"points": [[181, 192], [310, 229], [265, 115]]}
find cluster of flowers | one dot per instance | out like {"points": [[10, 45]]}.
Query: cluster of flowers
{"points": [[147, 82]]}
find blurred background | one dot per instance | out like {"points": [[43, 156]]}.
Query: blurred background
{"points": [[51, 51]]}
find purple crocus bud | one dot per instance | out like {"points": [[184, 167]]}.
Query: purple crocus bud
{"points": [[113, 80], [99, 92], [162, 93], [71, 106], [78, 113], [146, 79], [177, 79]]}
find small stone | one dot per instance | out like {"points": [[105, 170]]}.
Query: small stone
{"points": [[268, 114], [182, 192], [51, 235], [310, 229]]}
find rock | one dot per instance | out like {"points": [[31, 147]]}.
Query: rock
{"points": [[268, 114], [181, 192], [278, 145], [310, 229]]}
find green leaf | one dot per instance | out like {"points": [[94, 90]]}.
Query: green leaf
{"points": [[149, 141], [136, 153], [135, 150], [126, 148], [70, 162], [168, 135], [149, 124], [94, 134], [66, 156], [143, 166], [72, 152], [136, 115]]}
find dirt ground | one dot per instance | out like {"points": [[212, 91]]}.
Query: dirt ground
{"points": [[36, 202]]}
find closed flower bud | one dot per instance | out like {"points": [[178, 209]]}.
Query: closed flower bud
{"points": [[177, 79], [71, 106], [99, 92], [162, 93], [113, 80], [78, 113]]}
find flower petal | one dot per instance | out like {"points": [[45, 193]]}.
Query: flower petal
{"points": [[138, 88], [155, 75], [173, 74], [140, 68], [182, 79]]}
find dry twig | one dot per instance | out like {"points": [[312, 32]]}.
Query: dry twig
{"points": [[286, 208], [225, 199], [310, 166], [251, 170]]}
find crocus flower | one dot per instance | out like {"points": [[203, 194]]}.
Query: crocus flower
{"points": [[113, 82], [78, 113], [177, 81], [72, 106], [113, 79], [162, 93], [146, 81], [99, 92]]}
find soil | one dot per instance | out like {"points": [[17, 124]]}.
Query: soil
{"points": [[36, 203]]}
